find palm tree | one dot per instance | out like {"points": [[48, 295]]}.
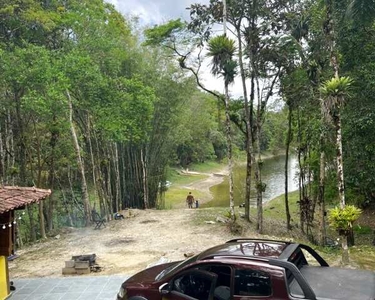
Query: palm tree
{"points": [[335, 91], [222, 49]]}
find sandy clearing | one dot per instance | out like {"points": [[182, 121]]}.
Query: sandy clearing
{"points": [[123, 247], [126, 246]]}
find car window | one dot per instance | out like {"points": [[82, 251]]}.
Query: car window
{"points": [[175, 268], [310, 260], [195, 284], [223, 273], [252, 283], [223, 282], [298, 259]]}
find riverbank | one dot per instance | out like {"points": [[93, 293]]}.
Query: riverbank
{"points": [[198, 180], [275, 217], [209, 181]]}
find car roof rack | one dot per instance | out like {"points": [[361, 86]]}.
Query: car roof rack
{"points": [[257, 240]]}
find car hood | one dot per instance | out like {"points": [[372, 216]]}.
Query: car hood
{"points": [[147, 276]]}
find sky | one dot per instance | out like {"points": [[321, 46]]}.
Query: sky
{"points": [[152, 12], [155, 11]]}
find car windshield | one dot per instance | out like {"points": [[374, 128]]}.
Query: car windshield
{"points": [[175, 268]]}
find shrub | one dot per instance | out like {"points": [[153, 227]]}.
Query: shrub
{"points": [[342, 219]]}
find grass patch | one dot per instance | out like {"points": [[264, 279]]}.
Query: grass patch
{"points": [[364, 256], [207, 167], [186, 179], [275, 208], [208, 214], [175, 197], [176, 178], [364, 229]]}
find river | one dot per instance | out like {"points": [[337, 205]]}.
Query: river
{"points": [[272, 175]]}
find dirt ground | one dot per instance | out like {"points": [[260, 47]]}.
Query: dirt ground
{"points": [[143, 238], [125, 246]]}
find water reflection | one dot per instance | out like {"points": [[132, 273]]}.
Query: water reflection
{"points": [[272, 175]]}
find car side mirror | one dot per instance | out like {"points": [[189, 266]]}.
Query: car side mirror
{"points": [[165, 289]]}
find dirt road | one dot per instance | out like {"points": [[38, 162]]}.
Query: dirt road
{"points": [[125, 246]]}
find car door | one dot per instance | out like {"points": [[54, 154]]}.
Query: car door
{"points": [[252, 283], [190, 285]]}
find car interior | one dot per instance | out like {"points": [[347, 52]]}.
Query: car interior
{"points": [[222, 288]]}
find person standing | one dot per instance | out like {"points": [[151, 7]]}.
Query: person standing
{"points": [[190, 200]]}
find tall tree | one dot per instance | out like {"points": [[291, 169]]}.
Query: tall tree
{"points": [[222, 50]]}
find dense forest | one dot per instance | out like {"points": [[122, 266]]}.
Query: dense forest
{"points": [[97, 110]]}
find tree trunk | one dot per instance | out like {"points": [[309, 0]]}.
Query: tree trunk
{"points": [[322, 223], [100, 182], [300, 177], [51, 179], [38, 184], [125, 203], [31, 221], [41, 221], [322, 175], [108, 183], [258, 179], [288, 141], [330, 34], [9, 143], [144, 181], [228, 128], [230, 159], [258, 170], [118, 179], [85, 194], [339, 161], [345, 250], [225, 17], [249, 145], [93, 165], [340, 182], [21, 144]]}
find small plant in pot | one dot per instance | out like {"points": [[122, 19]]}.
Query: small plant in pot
{"points": [[342, 220]]}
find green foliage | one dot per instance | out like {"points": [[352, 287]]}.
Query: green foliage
{"points": [[337, 87], [196, 137], [361, 11], [158, 34], [222, 50], [127, 114], [343, 218]]}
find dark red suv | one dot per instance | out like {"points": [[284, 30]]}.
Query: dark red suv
{"points": [[250, 269]]}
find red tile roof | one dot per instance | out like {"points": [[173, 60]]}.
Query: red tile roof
{"points": [[12, 197]]}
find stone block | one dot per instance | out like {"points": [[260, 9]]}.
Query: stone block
{"points": [[69, 271], [82, 265], [69, 264], [83, 271]]}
